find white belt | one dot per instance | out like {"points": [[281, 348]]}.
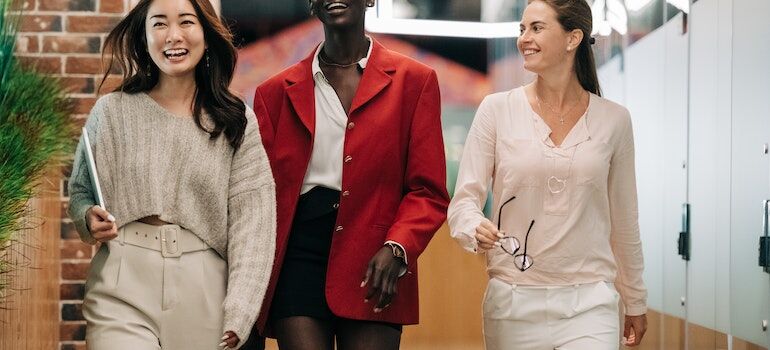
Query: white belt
{"points": [[170, 240]]}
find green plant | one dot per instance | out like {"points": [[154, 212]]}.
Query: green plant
{"points": [[36, 133]]}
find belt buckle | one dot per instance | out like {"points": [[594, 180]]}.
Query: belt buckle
{"points": [[169, 242]]}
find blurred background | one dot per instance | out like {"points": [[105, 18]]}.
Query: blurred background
{"points": [[694, 75]]}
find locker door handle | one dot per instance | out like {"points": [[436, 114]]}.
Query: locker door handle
{"points": [[683, 243], [764, 241]]}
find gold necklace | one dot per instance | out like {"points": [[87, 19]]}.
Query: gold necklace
{"points": [[561, 116], [321, 58]]}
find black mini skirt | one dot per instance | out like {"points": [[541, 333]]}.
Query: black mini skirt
{"points": [[301, 284], [301, 288]]}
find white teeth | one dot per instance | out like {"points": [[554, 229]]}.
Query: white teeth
{"points": [[175, 52], [336, 5], [529, 52]]}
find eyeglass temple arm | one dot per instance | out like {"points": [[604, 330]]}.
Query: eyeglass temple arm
{"points": [[500, 212], [526, 237]]}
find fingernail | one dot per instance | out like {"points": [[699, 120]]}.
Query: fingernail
{"points": [[111, 218], [225, 337], [363, 283], [366, 300], [377, 310], [498, 244], [500, 235], [223, 344]]}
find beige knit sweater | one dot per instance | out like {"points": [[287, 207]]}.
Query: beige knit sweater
{"points": [[152, 162]]}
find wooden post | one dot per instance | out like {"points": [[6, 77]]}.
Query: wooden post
{"points": [[29, 317]]}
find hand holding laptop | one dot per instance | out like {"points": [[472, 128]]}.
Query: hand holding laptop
{"points": [[100, 223]]}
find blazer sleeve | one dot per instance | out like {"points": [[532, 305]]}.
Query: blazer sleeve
{"points": [[423, 208], [266, 129]]}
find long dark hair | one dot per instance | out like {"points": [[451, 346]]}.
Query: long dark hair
{"points": [[127, 46], [576, 14]]}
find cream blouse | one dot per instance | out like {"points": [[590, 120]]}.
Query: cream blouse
{"points": [[581, 195]]}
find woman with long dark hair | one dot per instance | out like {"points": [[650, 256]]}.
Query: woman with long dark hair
{"points": [[564, 244], [188, 233], [353, 133]]}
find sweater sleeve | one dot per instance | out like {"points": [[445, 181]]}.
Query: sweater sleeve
{"points": [[624, 236], [80, 191], [251, 232]]}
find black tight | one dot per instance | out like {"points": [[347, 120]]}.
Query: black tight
{"points": [[361, 335], [307, 333]]}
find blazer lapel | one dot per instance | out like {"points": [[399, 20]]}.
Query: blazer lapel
{"points": [[301, 92], [376, 76]]}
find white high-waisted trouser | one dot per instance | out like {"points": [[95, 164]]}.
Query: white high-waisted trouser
{"points": [[580, 317], [155, 287]]}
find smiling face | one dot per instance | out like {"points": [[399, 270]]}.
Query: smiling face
{"points": [[175, 37], [340, 13], [543, 42]]}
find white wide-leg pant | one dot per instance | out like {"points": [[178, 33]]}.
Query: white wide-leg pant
{"points": [[580, 317], [141, 298]]}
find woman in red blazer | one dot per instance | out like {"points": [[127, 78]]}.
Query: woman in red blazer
{"points": [[353, 133]]}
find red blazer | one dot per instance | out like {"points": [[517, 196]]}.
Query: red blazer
{"points": [[393, 176]]}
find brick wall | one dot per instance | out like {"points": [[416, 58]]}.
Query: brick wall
{"points": [[64, 38]]}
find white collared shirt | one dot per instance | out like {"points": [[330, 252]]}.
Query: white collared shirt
{"points": [[581, 194], [325, 168]]}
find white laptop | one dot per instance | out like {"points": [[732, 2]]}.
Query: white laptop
{"points": [[95, 186]]}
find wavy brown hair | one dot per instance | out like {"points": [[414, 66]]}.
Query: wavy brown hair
{"points": [[576, 14], [126, 46]]}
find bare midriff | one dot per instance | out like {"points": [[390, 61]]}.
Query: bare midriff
{"points": [[153, 220]]}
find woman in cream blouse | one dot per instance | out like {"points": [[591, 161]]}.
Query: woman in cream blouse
{"points": [[563, 244]]}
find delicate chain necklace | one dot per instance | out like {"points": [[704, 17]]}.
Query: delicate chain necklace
{"points": [[321, 58], [561, 116]]}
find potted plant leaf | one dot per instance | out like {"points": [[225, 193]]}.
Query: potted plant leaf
{"points": [[36, 135]]}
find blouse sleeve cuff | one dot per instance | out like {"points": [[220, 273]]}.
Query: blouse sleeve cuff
{"points": [[465, 236], [636, 310]]}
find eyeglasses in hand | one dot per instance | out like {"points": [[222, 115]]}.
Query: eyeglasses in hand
{"points": [[511, 244]]}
